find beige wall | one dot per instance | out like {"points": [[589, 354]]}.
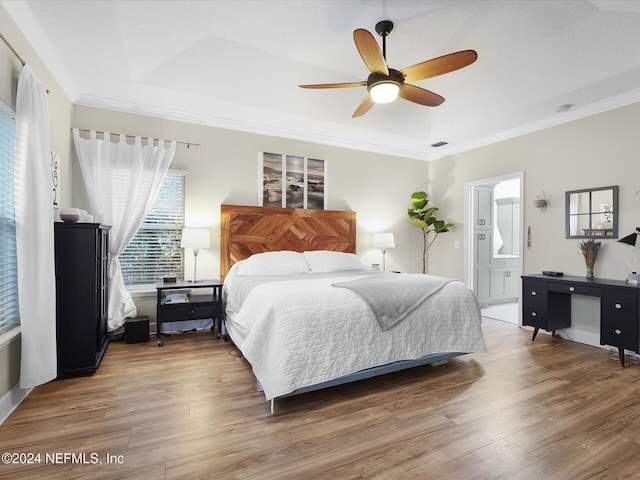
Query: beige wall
{"points": [[596, 151], [225, 170], [60, 111]]}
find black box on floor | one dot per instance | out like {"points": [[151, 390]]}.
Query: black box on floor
{"points": [[137, 329]]}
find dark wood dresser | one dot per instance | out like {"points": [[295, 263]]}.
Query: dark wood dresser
{"points": [[546, 303], [82, 262]]}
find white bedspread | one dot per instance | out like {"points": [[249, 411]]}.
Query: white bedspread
{"points": [[303, 331]]}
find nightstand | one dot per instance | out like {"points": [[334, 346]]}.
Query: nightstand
{"points": [[181, 300]]}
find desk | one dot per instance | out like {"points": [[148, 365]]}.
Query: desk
{"points": [[546, 303], [196, 307]]}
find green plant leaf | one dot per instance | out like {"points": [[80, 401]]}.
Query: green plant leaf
{"points": [[416, 222], [419, 200]]}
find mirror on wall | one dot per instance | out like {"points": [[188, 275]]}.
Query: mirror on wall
{"points": [[592, 213]]}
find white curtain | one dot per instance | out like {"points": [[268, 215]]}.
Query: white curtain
{"points": [[122, 181], [34, 233]]}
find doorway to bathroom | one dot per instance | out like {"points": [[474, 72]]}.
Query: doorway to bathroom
{"points": [[493, 246]]}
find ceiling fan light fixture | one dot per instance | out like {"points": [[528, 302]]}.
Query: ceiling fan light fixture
{"points": [[385, 91]]}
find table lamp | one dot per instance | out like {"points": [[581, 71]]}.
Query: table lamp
{"points": [[195, 238], [383, 241]]}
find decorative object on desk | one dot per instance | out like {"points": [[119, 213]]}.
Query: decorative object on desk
{"points": [[383, 241], [589, 249], [632, 238], [421, 216], [195, 238], [542, 201], [69, 214], [633, 278]]}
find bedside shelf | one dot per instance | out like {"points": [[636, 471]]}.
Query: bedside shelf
{"points": [[198, 306]]}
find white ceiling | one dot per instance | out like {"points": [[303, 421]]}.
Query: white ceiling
{"points": [[237, 64]]}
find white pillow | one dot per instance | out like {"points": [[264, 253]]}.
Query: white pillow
{"points": [[274, 263], [328, 261]]}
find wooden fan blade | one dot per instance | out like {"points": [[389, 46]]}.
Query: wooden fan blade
{"points": [[370, 51], [420, 95], [364, 107], [335, 85], [439, 66]]}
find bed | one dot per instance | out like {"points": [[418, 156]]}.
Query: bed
{"points": [[301, 307]]}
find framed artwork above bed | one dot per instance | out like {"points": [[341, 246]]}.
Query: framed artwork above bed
{"points": [[290, 181]]}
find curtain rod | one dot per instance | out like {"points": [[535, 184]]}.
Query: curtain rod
{"points": [[188, 144], [13, 50]]}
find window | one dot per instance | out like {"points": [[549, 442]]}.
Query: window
{"points": [[155, 250], [9, 310]]}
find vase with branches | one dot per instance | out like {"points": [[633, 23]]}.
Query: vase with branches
{"points": [[589, 249], [422, 216]]}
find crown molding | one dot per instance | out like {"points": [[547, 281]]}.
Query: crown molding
{"points": [[559, 119], [313, 133]]}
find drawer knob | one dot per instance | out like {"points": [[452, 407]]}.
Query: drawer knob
{"points": [[618, 331], [618, 306], [533, 314], [533, 293], [571, 289]]}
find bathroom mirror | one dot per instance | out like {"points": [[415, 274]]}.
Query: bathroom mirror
{"points": [[592, 213]]}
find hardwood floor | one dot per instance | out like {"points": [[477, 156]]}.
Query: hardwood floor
{"points": [[552, 409]]}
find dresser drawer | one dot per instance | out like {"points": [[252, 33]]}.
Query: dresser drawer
{"points": [[187, 311]]}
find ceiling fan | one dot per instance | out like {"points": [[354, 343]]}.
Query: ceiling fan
{"points": [[384, 84]]}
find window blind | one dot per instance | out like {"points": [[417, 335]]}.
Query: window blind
{"points": [[155, 250], [9, 310]]}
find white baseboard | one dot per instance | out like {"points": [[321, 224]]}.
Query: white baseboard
{"points": [[10, 401]]}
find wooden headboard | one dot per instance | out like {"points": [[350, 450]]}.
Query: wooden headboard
{"points": [[248, 230]]}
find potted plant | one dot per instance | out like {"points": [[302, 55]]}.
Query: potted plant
{"points": [[422, 216]]}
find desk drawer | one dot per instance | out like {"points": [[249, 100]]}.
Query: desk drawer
{"points": [[534, 303], [619, 319], [576, 289], [186, 311]]}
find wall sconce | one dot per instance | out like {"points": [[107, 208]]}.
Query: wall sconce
{"points": [[542, 201], [383, 241]]}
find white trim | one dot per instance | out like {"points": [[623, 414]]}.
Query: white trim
{"points": [[6, 337], [10, 401], [142, 291], [7, 109], [566, 117], [411, 148], [469, 221]]}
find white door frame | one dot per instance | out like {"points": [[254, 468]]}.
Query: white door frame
{"points": [[469, 221]]}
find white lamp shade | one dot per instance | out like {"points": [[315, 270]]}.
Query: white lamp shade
{"points": [[195, 238], [383, 240], [384, 92]]}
